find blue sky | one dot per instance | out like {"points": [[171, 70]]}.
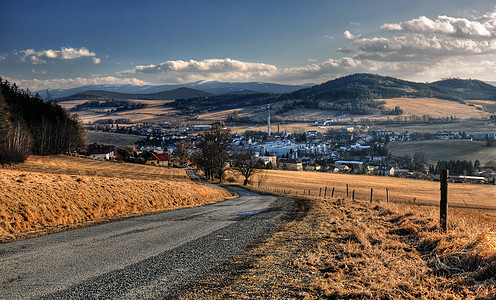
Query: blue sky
{"points": [[63, 44]]}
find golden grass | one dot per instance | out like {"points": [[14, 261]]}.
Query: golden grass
{"points": [[77, 165], [51, 193], [400, 189], [155, 109], [436, 108], [343, 249]]}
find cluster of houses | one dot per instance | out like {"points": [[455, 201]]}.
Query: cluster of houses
{"points": [[352, 149], [151, 156]]}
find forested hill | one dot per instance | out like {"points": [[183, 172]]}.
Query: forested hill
{"points": [[355, 93], [371, 86], [468, 88], [30, 125]]}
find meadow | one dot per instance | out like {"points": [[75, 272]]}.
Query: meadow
{"points": [[53, 193]]}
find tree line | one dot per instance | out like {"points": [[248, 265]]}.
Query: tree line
{"points": [[30, 125]]}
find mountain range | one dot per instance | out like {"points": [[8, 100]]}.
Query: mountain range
{"points": [[210, 87]]}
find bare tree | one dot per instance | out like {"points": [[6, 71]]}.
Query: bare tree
{"points": [[212, 153], [262, 178], [245, 163], [182, 151]]}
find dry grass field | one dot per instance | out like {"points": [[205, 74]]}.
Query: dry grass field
{"points": [[445, 150], [467, 125], [52, 193], [343, 249], [436, 108], [110, 138], [487, 105], [400, 189], [155, 111]]}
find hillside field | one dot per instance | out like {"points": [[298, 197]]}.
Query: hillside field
{"points": [[445, 150], [436, 108], [110, 138], [51, 193]]}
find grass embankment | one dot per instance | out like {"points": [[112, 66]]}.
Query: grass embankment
{"points": [[341, 249], [47, 194]]}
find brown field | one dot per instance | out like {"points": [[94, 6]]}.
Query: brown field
{"points": [[400, 189], [486, 105], [154, 111], [343, 249], [467, 125], [436, 108], [52, 193], [110, 138], [445, 150]]}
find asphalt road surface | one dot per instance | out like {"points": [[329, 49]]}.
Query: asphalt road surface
{"points": [[136, 258]]}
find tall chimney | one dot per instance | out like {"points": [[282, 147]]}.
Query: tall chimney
{"points": [[268, 119]]}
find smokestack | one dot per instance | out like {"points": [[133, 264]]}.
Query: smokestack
{"points": [[268, 119]]}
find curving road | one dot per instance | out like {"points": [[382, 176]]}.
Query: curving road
{"points": [[136, 258]]}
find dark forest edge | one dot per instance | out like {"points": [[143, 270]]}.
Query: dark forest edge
{"points": [[30, 125]]}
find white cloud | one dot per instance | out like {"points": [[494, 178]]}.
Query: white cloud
{"points": [[444, 25], [39, 57], [348, 35], [331, 37], [64, 83], [226, 65]]}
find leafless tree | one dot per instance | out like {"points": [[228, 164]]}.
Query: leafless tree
{"points": [[245, 163]]}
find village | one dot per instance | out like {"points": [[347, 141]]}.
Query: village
{"points": [[347, 149]]}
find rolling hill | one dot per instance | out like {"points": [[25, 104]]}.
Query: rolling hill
{"points": [[356, 94], [178, 93]]}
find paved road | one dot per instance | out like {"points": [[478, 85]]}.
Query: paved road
{"points": [[136, 258]]}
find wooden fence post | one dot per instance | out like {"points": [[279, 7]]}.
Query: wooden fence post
{"points": [[332, 194], [371, 194], [444, 200], [387, 195], [347, 195], [320, 192], [325, 191], [353, 197]]}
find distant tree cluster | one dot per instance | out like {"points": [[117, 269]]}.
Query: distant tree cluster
{"points": [[359, 105], [30, 125], [460, 167], [221, 102], [113, 105]]}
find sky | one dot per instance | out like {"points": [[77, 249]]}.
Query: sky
{"points": [[57, 44]]}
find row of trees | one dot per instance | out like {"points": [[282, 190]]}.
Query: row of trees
{"points": [[460, 167], [30, 125]]}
